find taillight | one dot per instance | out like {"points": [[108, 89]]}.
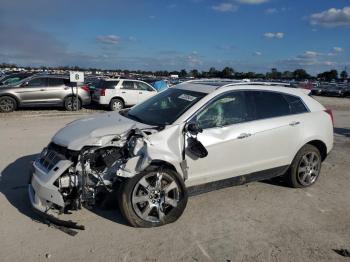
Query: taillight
{"points": [[85, 88], [102, 91], [330, 113]]}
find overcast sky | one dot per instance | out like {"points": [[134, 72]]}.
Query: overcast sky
{"points": [[248, 35]]}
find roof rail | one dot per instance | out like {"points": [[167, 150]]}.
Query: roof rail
{"points": [[214, 80], [233, 82]]}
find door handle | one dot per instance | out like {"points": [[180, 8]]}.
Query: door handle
{"points": [[294, 123], [42, 89], [123, 92], [140, 92], [66, 88], [244, 135]]}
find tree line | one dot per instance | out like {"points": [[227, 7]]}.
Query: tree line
{"points": [[226, 72]]}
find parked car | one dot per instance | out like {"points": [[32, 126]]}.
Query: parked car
{"points": [[334, 90], [119, 93], [187, 139], [14, 78], [45, 90], [92, 83]]}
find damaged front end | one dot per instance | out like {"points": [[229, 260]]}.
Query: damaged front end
{"points": [[64, 179]]}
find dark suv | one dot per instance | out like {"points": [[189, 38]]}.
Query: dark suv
{"points": [[43, 90]]}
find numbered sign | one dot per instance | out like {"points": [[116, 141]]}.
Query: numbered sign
{"points": [[76, 77]]}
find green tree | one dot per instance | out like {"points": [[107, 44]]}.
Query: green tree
{"points": [[328, 75], [194, 73], [300, 74], [227, 72], [213, 72], [344, 75], [183, 73]]}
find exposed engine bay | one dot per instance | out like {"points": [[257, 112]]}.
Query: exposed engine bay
{"points": [[93, 171]]}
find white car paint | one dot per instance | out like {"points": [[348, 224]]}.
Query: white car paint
{"points": [[233, 150], [129, 96]]}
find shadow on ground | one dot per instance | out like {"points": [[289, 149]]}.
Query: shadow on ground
{"points": [[14, 183]]}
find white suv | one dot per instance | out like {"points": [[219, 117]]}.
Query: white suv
{"points": [[118, 93], [190, 138]]}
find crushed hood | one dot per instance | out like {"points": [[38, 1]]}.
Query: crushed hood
{"points": [[88, 131]]}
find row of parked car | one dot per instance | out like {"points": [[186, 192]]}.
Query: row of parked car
{"points": [[29, 90], [56, 90], [340, 90]]}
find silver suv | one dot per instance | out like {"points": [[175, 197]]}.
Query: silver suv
{"points": [[39, 90]]}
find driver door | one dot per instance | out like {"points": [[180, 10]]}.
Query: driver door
{"points": [[34, 91], [224, 121]]}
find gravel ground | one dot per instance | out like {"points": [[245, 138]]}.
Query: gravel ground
{"points": [[261, 221]]}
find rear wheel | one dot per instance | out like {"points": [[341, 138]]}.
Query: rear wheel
{"points": [[72, 104], [116, 104], [153, 198], [7, 104], [305, 168]]}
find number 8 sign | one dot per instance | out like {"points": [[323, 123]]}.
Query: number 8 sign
{"points": [[76, 77]]}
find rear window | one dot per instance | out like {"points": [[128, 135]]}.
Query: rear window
{"points": [[296, 105], [58, 81], [107, 84], [269, 104]]}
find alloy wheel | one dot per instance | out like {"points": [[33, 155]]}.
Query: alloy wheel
{"points": [[6, 105], [117, 105], [309, 168], [154, 196]]}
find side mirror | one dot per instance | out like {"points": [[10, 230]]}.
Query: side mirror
{"points": [[25, 84], [193, 129]]}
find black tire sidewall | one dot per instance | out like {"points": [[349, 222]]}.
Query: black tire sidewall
{"points": [[67, 100], [127, 210], [292, 174], [13, 102]]}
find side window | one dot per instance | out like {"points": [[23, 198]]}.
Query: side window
{"points": [[143, 86], [56, 81], [295, 104], [270, 104], [128, 85], [40, 81], [226, 110]]}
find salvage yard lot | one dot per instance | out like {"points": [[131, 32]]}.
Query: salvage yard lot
{"points": [[261, 221]]}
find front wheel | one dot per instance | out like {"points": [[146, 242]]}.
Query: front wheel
{"points": [[305, 168], [153, 198], [7, 104]]}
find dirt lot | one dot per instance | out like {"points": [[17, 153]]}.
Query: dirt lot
{"points": [[262, 221]]}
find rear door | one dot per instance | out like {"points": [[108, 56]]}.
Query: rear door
{"points": [[145, 91], [275, 130], [129, 92], [56, 90], [33, 92]]}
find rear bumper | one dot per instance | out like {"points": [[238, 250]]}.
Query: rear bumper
{"points": [[86, 101]]}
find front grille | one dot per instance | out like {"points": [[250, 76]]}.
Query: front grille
{"points": [[50, 159]]}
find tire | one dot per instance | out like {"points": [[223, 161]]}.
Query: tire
{"points": [[71, 103], [145, 203], [305, 168], [116, 104], [7, 104]]}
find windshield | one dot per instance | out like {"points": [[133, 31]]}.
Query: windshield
{"points": [[165, 107]]}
